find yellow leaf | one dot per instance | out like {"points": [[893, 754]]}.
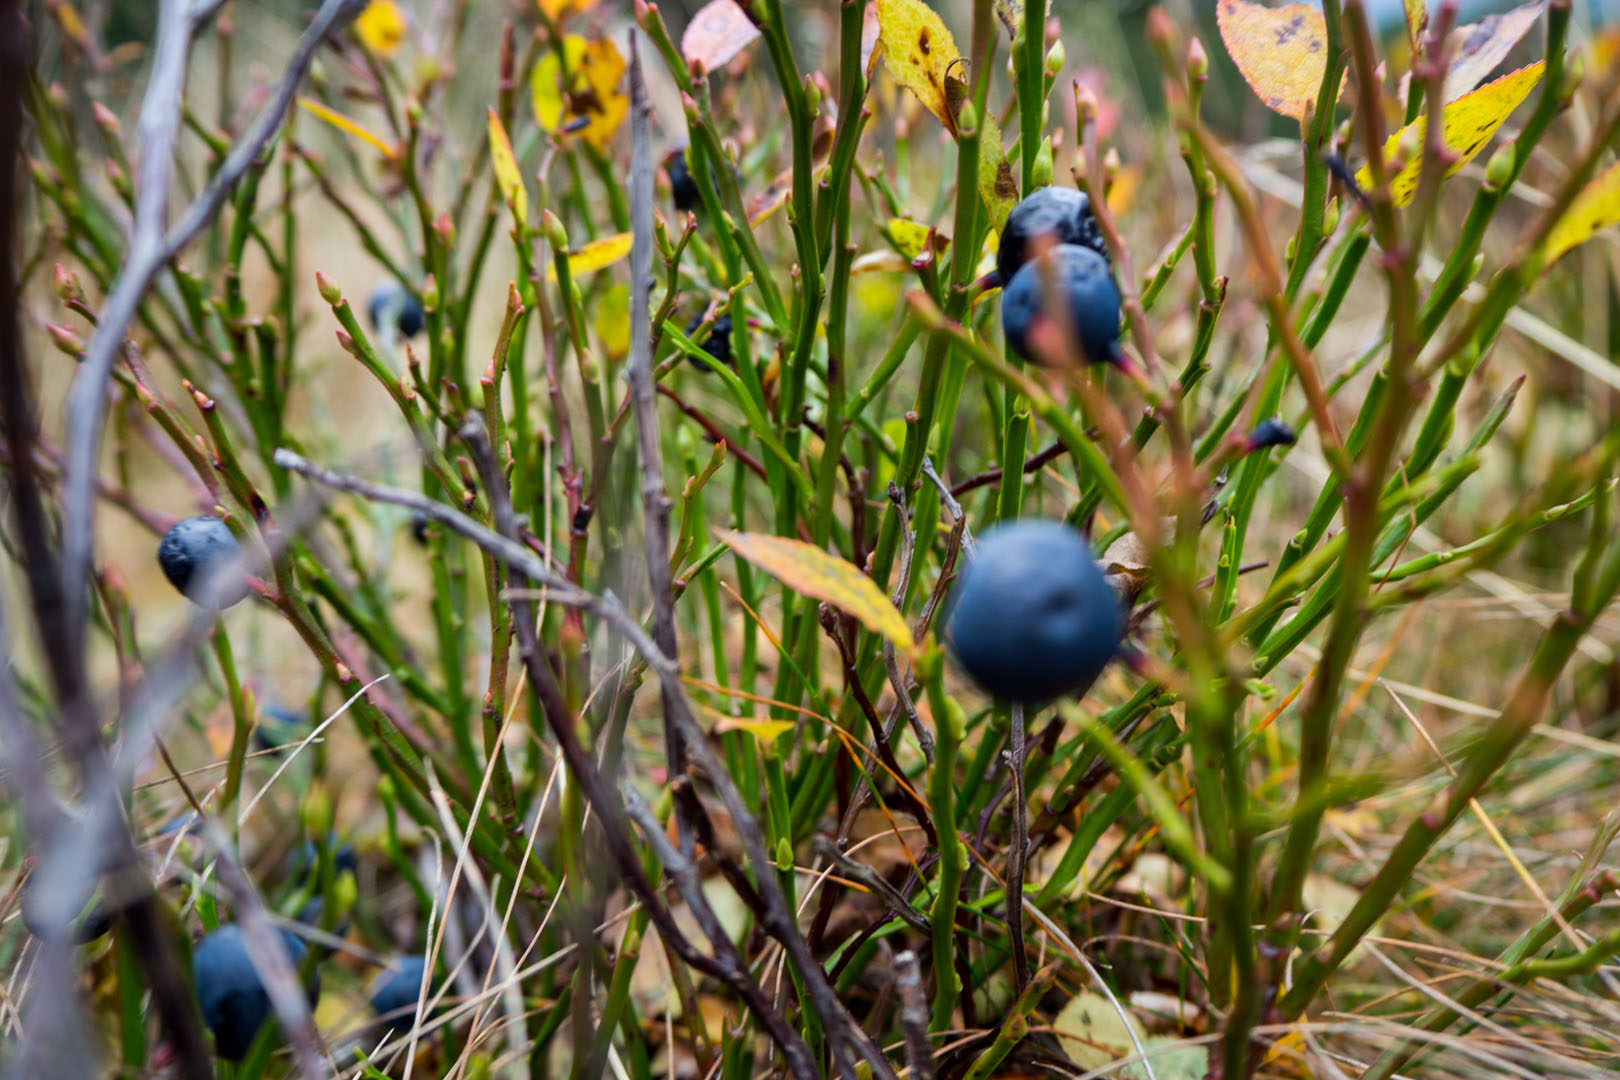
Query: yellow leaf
{"points": [[997, 187], [911, 238], [1417, 21], [1281, 52], [578, 91], [557, 8], [613, 320], [1122, 192], [595, 255], [381, 27], [920, 53], [763, 730], [811, 571], [1596, 207], [717, 34], [507, 177], [1471, 120], [343, 123]]}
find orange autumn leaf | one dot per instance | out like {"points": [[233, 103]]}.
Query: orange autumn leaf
{"points": [[717, 34], [1281, 52]]}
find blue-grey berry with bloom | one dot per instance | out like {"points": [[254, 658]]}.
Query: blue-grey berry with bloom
{"points": [[233, 999], [1060, 215], [718, 343], [397, 990], [1032, 618], [202, 559], [1268, 433], [1067, 282]]}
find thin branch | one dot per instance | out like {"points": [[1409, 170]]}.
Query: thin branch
{"points": [[150, 249]]}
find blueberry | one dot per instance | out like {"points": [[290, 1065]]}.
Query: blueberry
{"points": [[202, 559], [1081, 282], [234, 1002], [1032, 616], [1063, 214], [303, 858], [396, 991], [1268, 433], [93, 922], [392, 306], [278, 727], [718, 344], [681, 185]]}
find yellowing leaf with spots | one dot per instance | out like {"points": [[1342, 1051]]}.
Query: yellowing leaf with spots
{"points": [[910, 238], [997, 187], [920, 53], [1417, 21], [595, 255], [1596, 207], [381, 27], [1281, 52], [578, 90], [811, 571], [1479, 47], [1470, 122], [507, 177]]}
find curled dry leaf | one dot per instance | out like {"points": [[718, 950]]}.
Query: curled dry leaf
{"points": [[1479, 48], [717, 34], [1281, 52], [1125, 565]]}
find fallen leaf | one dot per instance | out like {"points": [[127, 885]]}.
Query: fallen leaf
{"points": [[507, 176], [1092, 1033], [1470, 122], [381, 27], [1596, 207], [813, 572], [595, 255], [343, 123], [1281, 52], [920, 53], [717, 33]]}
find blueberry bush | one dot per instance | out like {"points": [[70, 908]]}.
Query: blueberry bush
{"points": [[876, 539]]}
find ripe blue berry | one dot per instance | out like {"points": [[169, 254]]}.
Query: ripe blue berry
{"points": [[1062, 214], [1031, 616], [1074, 281], [396, 991], [681, 185], [202, 559], [718, 344], [234, 1002], [391, 306], [303, 860], [91, 923], [1268, 433]]}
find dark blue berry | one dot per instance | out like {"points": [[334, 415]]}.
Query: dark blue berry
{"points": [[397, 990], [90, 923], [278, 727], [391, 305], [681, 185], [303, 859], [1032, 616], [1270, 432], [235, 1004], [718, 344], [1075, 282], [1061, 214], [202, 559]]}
